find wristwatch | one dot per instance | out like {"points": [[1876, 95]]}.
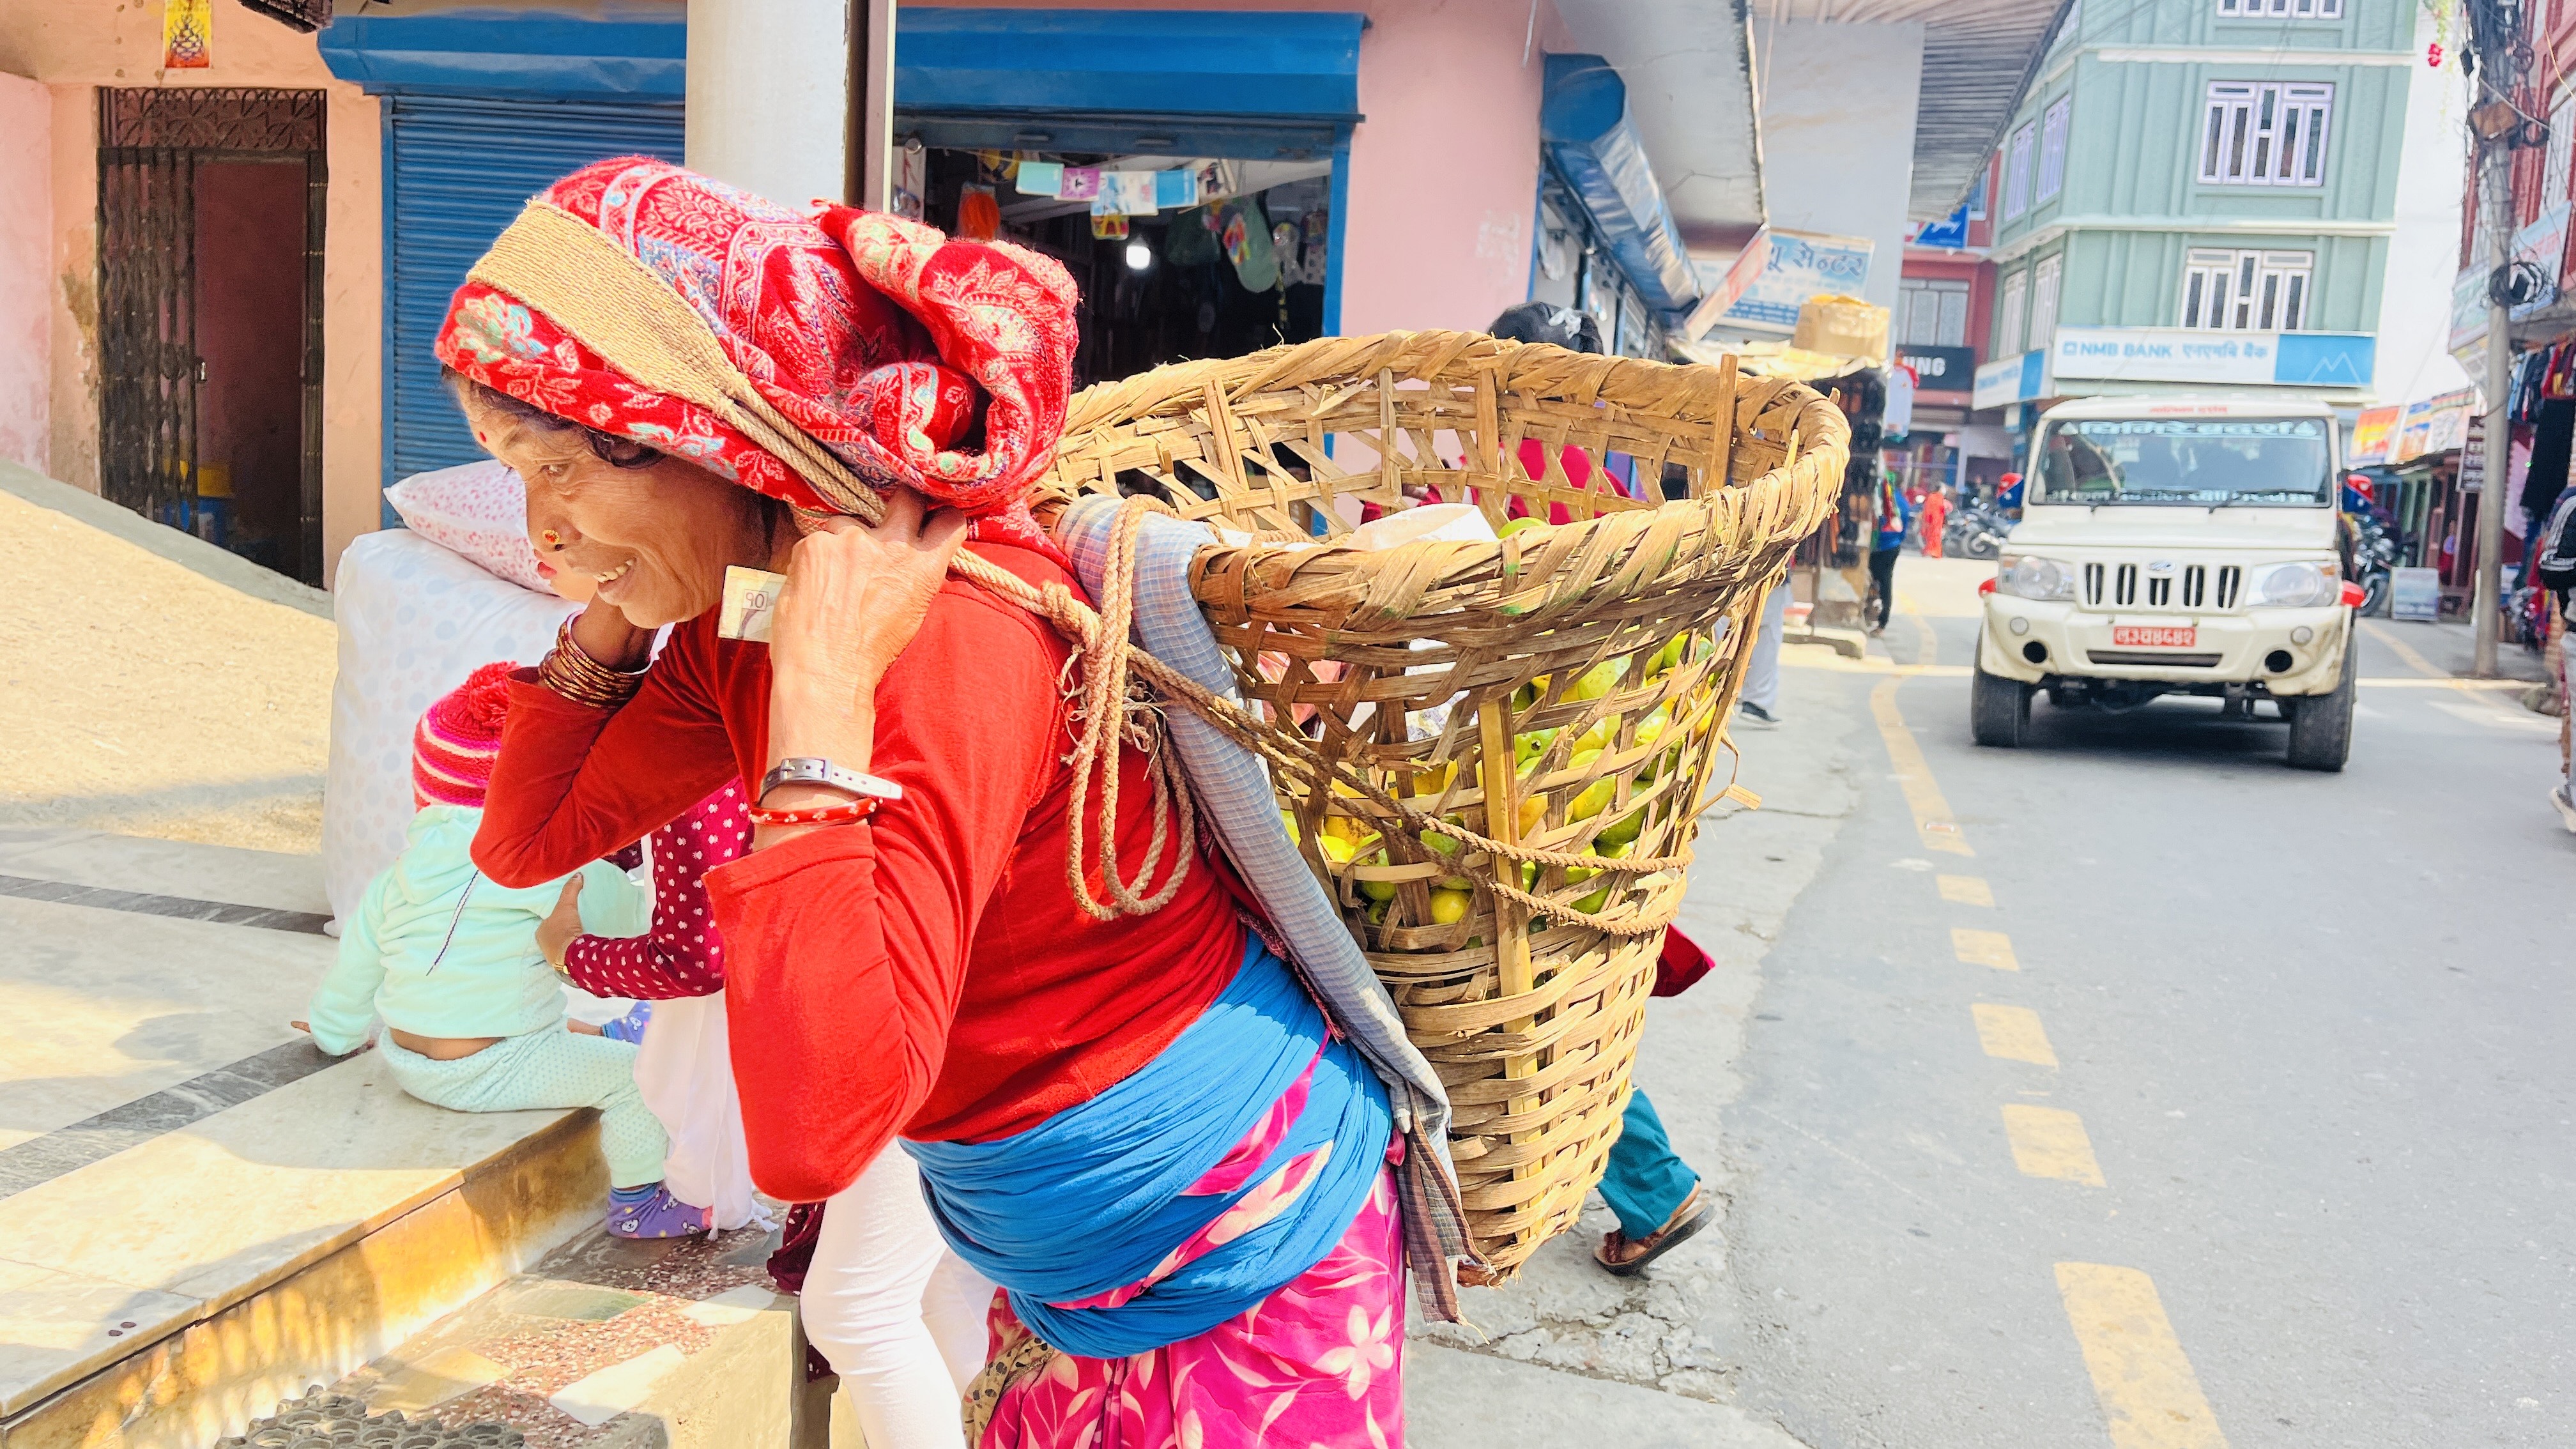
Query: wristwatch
{"points": [[810, 770]]}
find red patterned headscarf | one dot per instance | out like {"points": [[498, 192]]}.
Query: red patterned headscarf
{"points": [[935, 364]]}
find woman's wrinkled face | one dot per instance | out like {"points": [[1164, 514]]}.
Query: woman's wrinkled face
{"points": [[656, 539]]}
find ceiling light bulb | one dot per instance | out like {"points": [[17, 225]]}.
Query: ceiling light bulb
{"points": [[1139, 256]]}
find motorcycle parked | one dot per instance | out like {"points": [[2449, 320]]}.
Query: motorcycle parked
{"points": [[1976, 530], [2372, 545]]}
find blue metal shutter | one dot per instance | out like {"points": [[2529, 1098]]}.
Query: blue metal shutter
{"points": [[457, 170]]}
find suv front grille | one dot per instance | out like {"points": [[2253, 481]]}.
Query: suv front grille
{"points": [[2115, 586]]}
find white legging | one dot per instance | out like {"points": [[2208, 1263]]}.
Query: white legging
{"points": [[900, 1317]]}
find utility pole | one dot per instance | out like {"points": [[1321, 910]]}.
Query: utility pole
{"points": [[2500, 50], [870, 145], [2487, 600], [767, 98]]}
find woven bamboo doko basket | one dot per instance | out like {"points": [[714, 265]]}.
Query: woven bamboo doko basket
{"points": [[1393, 676]]}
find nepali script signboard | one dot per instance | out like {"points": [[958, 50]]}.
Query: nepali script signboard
{"points": [[1797, 265], [2374, 435], [2176, 354], [2434, 425]]}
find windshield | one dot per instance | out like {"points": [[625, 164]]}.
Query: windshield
{"points": [[2199, 462]]}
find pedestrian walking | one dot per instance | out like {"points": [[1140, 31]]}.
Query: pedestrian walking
{"points": [[1760, 701], [1123, 1106], [1936, 518], [1655, 1195], [2552, 566], [1891, 519]]}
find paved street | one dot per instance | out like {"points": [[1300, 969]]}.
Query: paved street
{"points": [[2157, 1094]]}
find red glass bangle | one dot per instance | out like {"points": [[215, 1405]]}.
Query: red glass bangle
{"points": [[846, 813]]}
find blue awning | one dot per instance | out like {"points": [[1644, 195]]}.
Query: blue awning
{"points": [[1281, 65], [580, 51], [1584, 125]]}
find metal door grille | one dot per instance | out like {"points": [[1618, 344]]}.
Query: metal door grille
{"points": [[147, 330], [150, 145]]}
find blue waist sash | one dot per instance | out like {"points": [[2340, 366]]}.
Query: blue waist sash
{"points": [[1092, 1199]]}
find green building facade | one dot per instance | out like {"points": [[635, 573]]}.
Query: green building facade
{"points": [[2200, 194]]}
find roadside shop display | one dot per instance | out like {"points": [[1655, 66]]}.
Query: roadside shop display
{"points": [[979, 217], [1246, 238], [1491, 755]]}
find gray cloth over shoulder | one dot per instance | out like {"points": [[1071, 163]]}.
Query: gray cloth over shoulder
{"points": [[1238, 805]]}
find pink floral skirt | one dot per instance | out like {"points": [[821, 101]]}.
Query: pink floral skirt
{"points": [[1320, 1362]]}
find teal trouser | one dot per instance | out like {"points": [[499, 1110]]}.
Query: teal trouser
{"points": [[549, 1068], [1647, 1180]]}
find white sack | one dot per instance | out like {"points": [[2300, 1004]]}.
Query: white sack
{"points": [[415, 619]]}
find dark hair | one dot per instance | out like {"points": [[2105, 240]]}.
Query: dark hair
{"points": [[611, 449], [776, 515], [1547, 322]]}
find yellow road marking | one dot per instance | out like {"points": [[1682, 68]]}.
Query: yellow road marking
{"points": [[2404, 651], [1966, 890], [2148, 1391], [1927, 645], [2436, 677], [2013, 1033], [1914, 775], [1984, 948], [2050, 1142]]}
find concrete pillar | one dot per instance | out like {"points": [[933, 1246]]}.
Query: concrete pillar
{"points": [[769, 107], [1838, 105]]}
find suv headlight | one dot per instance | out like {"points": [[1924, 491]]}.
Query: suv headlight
{"points": [[2296, 586], [2027, 577]]}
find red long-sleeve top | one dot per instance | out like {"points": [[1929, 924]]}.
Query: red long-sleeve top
{"points": [[683, 955], [929, 972]]}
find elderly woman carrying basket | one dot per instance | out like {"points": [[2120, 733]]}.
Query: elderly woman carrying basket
{"points": [[1138, 1124]]}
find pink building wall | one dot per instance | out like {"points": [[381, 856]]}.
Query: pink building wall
{"points": [[1444, 172], [26, 304], [75, 46]]}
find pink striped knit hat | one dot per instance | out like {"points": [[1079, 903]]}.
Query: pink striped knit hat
{"points": [[459, 740]]}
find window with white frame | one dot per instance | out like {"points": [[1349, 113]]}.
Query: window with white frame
{"points": [[2265, 134], [2281, 9], [2246, 291], [2043, 300], [2008, 333], [2017, 171], [2052, 148], [2561, 153], [1932, 313]]}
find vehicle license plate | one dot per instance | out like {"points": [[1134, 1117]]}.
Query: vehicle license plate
{"points": [[2153, 637]]}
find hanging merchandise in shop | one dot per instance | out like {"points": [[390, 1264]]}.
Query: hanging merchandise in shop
{"points": [[1182, 165], [2543, 394], [1175, 257]]}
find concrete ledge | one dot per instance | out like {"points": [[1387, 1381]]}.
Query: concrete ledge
{"points": [[189, 552], [678, 1344], [163, 1297]]}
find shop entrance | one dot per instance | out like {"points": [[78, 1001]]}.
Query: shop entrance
{"points": [[210, 212], [1237, 262]]}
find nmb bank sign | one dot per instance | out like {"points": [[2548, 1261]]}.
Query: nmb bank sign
{"points": [[2228, 359]]}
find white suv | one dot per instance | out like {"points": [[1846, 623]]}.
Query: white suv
{"points": [[2175, 546]]}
